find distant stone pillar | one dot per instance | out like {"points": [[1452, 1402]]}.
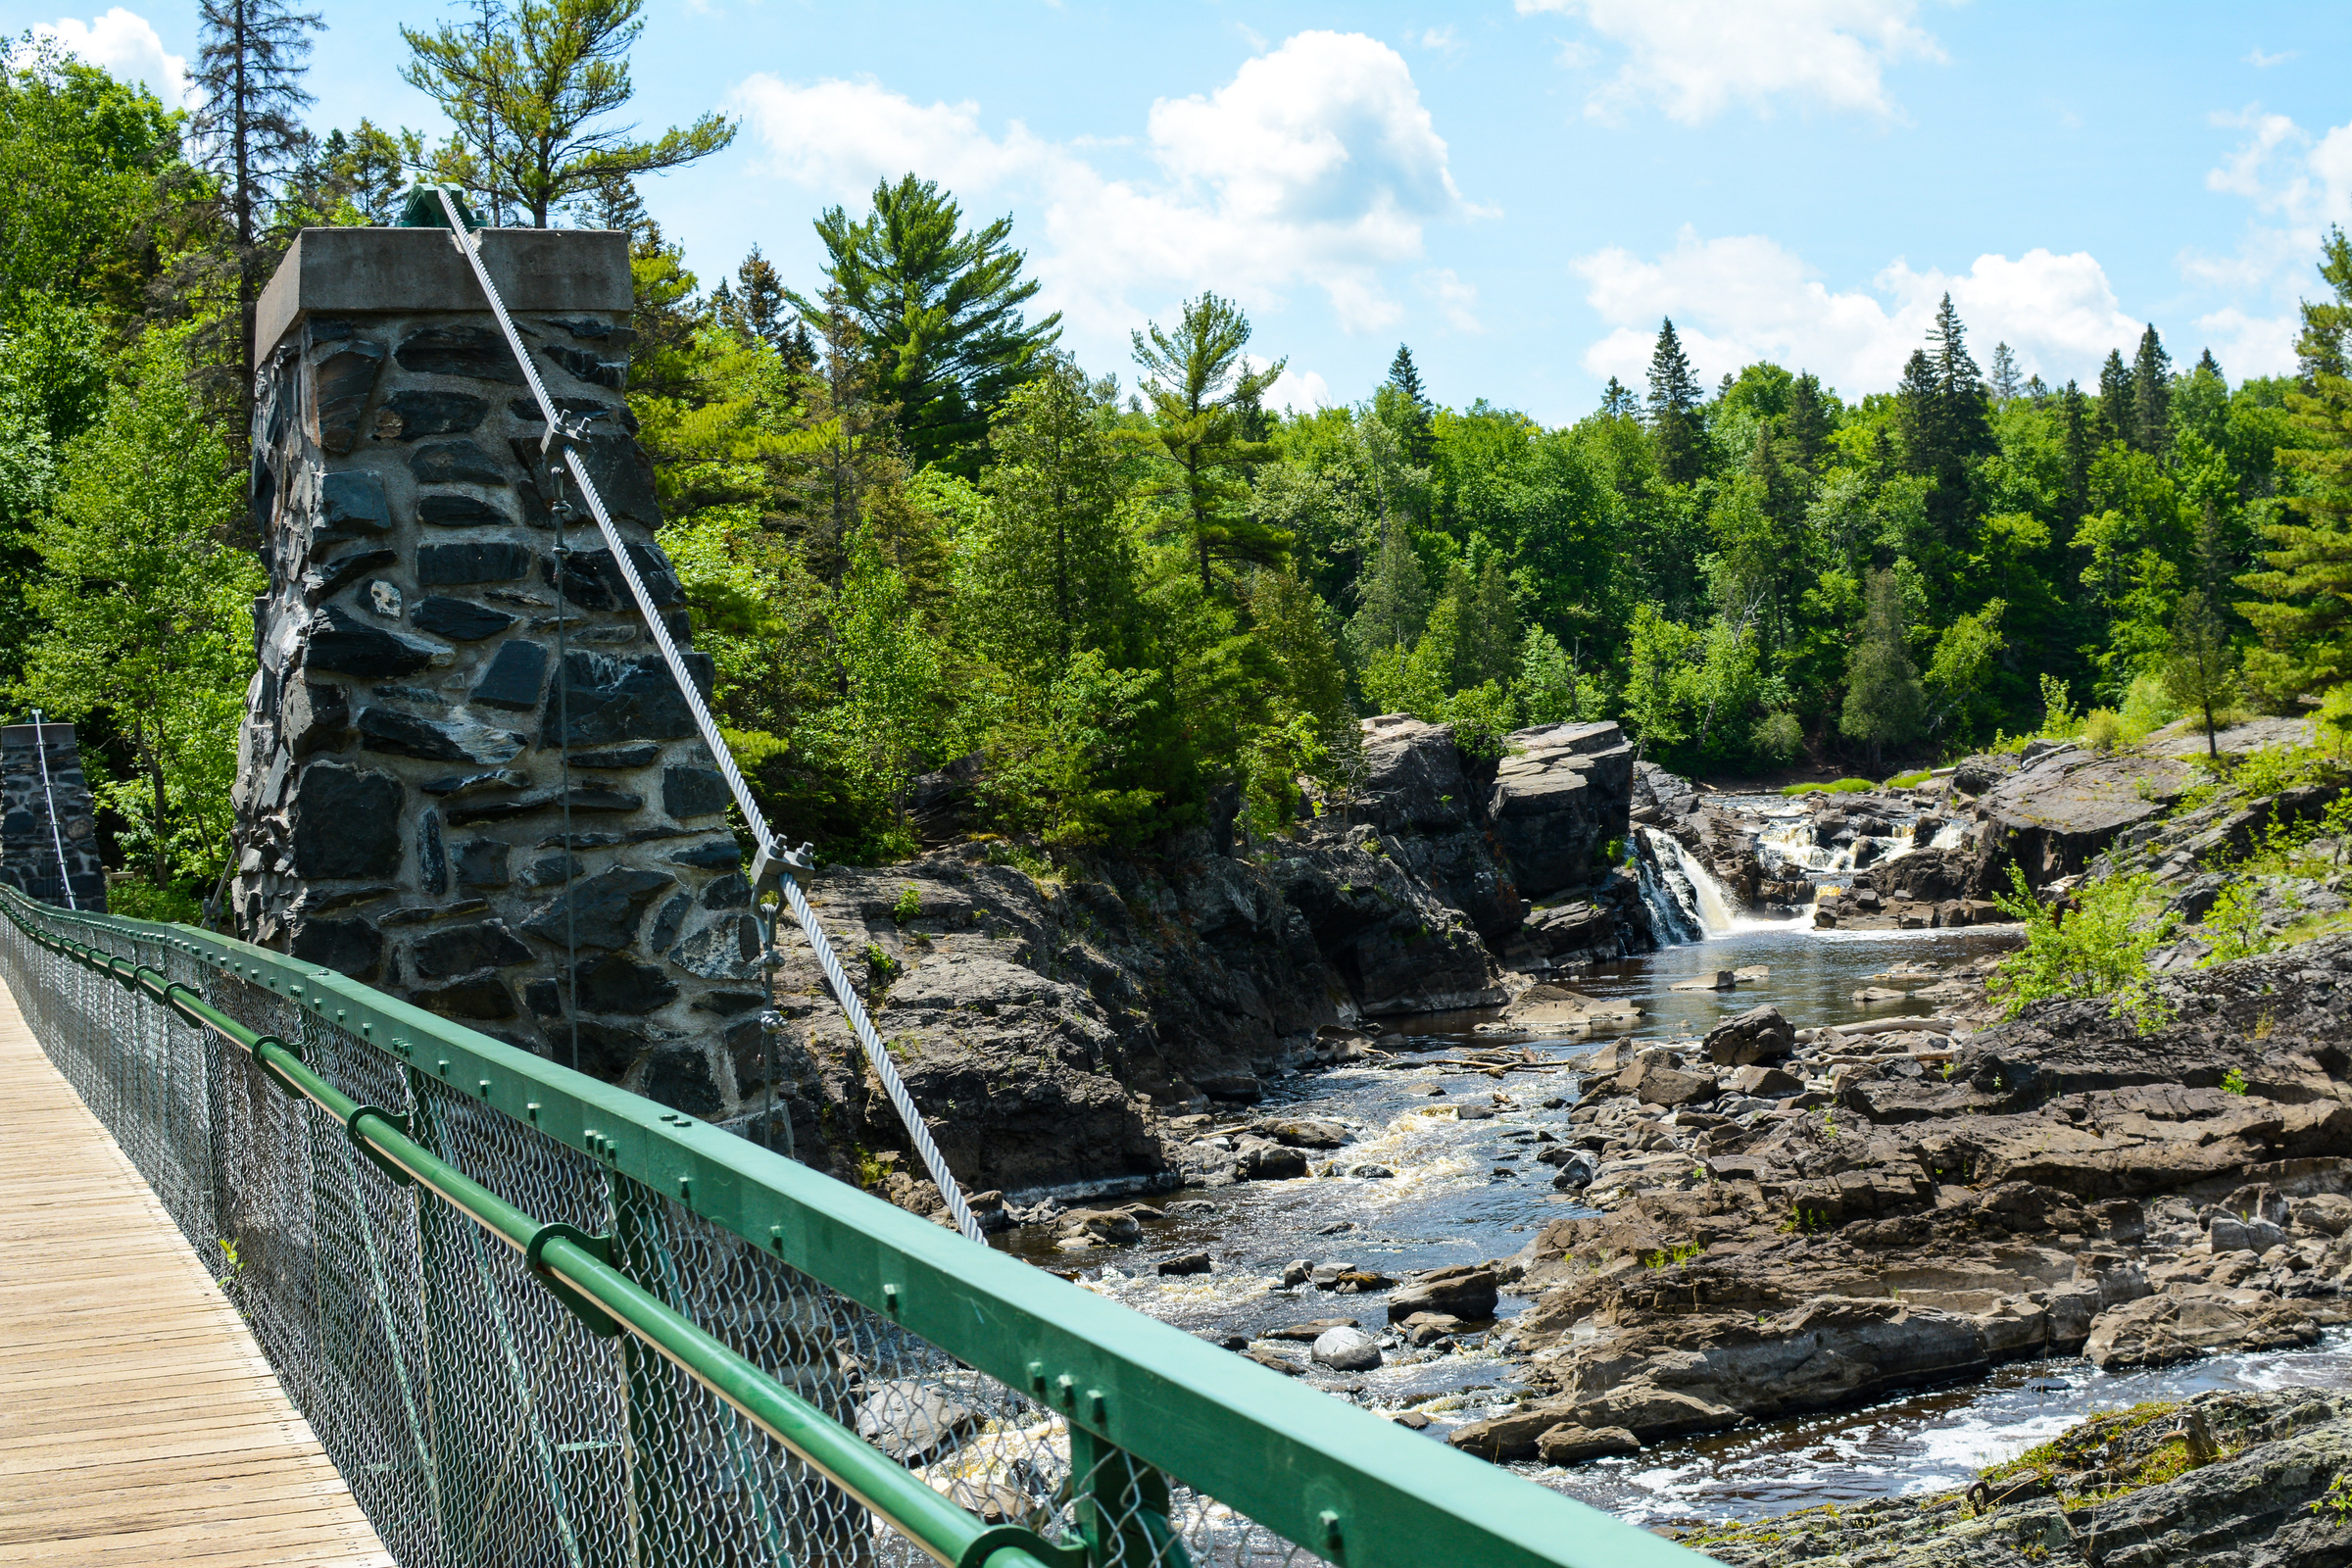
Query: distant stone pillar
{"points": [[401, 795], [32, 836]]}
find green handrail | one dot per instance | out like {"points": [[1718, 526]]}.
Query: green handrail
{"points": [[1336, 1480]]}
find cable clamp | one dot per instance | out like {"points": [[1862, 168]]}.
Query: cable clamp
{"points": [[594, 1319], [392, 1119]]}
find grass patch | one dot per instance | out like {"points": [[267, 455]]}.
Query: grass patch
{"points": [[1906, 781], [1843, 786]]}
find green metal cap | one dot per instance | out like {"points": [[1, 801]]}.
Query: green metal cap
{"points": [[424, 208]]}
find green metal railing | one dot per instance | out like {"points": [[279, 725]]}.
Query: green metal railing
{"points": [[689, 1351]]}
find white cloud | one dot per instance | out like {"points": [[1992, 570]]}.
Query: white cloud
{"points": [[1697, 58], [1441, 40], [1742, 298], [1316, 164], [2262, 61], [1457, 299], [2297, 184], [126, 46], [1297, 391]]}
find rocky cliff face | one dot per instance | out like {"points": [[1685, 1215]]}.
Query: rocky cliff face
{"points": [[1048, 1024]]}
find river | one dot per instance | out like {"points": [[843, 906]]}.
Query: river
{"points": [[1469, 1190]]}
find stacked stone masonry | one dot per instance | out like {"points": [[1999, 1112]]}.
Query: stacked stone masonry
{"points": [[430, 661], [29, 841]]}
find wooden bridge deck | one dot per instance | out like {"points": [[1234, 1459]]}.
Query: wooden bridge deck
{"points": [[138, 1422]]}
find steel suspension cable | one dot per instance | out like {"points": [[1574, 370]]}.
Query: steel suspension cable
{"points": [[769, 857], [57, 837]]}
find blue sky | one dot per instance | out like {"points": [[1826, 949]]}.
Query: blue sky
{"points": [[1518, 192]]}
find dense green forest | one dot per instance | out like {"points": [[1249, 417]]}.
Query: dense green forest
{"points": [[914, 530]]}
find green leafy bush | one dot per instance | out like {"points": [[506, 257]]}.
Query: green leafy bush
{"points": [[1779, 736], [910, 905], [2233, 925], [138, 899], [2103, 730], [2099, 948]]}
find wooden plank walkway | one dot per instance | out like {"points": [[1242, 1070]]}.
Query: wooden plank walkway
{"points": [[138, 1422]]}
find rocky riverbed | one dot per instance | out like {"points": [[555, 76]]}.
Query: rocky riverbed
{"points": [[1381, 1110]]}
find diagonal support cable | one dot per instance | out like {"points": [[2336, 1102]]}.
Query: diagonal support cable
{"points": [[769, 857], [57, 837]]}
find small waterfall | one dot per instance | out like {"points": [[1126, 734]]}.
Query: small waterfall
{"points": [[1673, 917], [1685, 902]]}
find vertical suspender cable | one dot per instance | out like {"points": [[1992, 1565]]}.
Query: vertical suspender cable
{"points": [[768, 856], [57, 837]]}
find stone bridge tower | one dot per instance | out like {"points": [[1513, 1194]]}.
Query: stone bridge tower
{"points": [[465, 775]]}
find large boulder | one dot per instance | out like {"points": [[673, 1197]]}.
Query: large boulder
{"points": [[1758, 1035], [2065, 805], [1464, 1292], [1561, 793]]}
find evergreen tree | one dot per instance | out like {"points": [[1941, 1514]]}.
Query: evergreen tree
{"points": [[2118, 411], [2304, 610], [1392, 598], [2075, 434], [1945, 428], [1201, 386], [1487, 635], [1674, 398], [1055, 559], [1617, 400], [939, 309], [2207, 365], [529, 90], [250, 60], [2004, 379], [1805, 427], [1414, 423], [2152, 396], [2198, 674], [755, 307], [1884, 697]]}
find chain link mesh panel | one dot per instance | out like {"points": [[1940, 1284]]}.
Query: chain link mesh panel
{"points": [[477, 1421]]}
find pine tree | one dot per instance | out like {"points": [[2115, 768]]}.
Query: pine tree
{"points": [[1617, 400], [2076, 434], [1416, 425], [1392, 598], [2118, 411], [939, 308], [755, 306], [2304, 612], [2207, 365], [2152, 396], [1883, 697], [2004, 379], [1487, 633], [1805, 427], [2198, 674], [1201, 387], [249, 65], [1674, 398], [530, 91]]}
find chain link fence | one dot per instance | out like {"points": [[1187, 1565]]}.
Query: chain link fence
{"points": [[479, 1417]]}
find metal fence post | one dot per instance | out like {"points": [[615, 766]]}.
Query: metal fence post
{"points": [[1122, 1507]]}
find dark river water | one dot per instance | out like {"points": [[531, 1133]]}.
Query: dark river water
{"points": [[1465, 1191]]}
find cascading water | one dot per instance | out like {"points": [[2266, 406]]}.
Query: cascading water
{"points": [[1685, 902]]}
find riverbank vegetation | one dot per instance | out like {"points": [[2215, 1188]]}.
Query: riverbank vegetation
{"points": [[1115, 598]]}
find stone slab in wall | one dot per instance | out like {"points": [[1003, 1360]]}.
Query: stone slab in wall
{"points": [[33, 833], [429, 663]]}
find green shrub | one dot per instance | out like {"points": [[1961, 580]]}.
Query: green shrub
{"points": [[1779, 736], [2233, 925], [137, 899], [1905, 781], [2059, 720], [2098, 948], [2147, 707], [910, 905], [2103, 730]]}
